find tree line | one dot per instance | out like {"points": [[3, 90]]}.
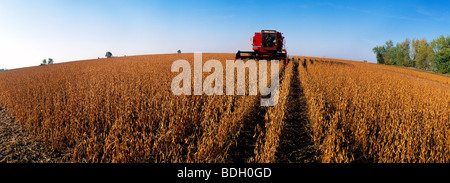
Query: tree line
{"points": [[45, 62], [418, 53]]}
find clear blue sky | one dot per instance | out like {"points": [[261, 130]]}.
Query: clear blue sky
{"points": [[67, 30]]}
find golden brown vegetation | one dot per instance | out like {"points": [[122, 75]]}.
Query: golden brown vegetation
{"points": [[123, 110], [268, 141], [361, 112]]}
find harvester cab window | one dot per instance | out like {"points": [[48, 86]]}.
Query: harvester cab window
{"points": [[268, 40]]}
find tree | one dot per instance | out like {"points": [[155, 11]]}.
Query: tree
{"points": [[443, 61], [50, 61], [108, 54], [441, 54], [379, 51], [421, 53], [417, 53], [402, 54], [179, 51], [390, 54], [44, 62]]}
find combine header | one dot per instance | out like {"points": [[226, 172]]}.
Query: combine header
{"points": [[267, 45]]}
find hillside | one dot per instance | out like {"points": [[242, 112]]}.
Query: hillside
{"points": [[123, 110]]}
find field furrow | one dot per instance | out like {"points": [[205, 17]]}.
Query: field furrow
{"points": [[296, 145]]}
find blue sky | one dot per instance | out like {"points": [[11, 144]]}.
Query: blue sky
{"points": [[68, 30]]}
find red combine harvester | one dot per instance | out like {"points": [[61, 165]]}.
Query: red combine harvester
{"points": [[267, 45]]}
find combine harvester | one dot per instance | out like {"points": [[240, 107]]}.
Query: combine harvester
{"points": [[267, 45]]}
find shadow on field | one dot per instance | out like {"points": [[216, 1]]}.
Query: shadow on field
{"points": [[296, 144], [244, 149]]}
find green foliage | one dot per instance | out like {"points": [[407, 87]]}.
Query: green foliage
{"points": [[402, 54], [421, 53], [44, 62], [390, 54], [441, 49], [442, 61], [416, 53], [108, 54], [379, 51]]}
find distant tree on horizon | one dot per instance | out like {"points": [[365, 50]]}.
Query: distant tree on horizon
{"points": [[179, 51], [421, 53], [402, 54], [108, 54], [44, 62], [441, 49], [380, 51], [50, 61]]}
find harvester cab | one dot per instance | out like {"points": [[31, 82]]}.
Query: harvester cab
{"points": [[267, 45]]}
